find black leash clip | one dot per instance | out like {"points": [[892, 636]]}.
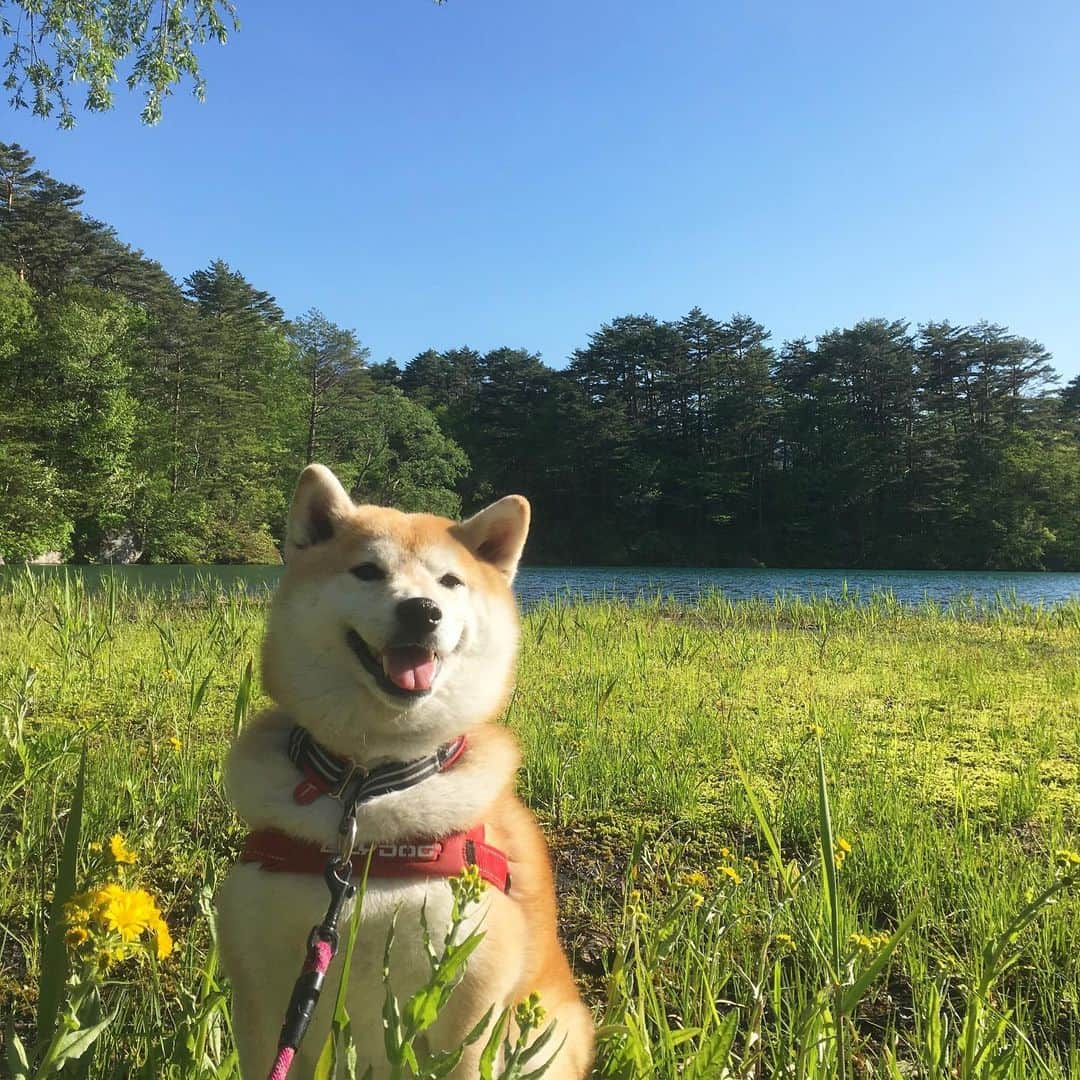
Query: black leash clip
{"points": [[308, 986]]}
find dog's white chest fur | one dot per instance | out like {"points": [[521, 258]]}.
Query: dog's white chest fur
{"points": [[266, 919]]}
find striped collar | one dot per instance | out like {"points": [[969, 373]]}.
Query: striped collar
{"points": [[327, 774]]}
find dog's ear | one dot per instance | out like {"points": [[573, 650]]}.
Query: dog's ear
{"points": [[319, 505], [497, 533]]}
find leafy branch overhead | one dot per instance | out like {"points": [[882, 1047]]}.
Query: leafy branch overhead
{"points": [[55, 43]]}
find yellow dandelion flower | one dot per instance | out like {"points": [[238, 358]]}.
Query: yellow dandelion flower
{"points": [[815, 729], [696, 900], [731, 872], [131, 913], [175, 743], [1068, 858], [119, 850], [725, 853], [786, 941], [843, 845]]}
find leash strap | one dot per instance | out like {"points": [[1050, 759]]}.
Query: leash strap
{"points": [[327, 774], [321, 947]]}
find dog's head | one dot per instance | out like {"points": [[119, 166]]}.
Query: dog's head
{"points": [[392, 626]]}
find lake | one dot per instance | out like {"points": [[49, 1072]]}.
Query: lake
{"points": [[536, 583]]}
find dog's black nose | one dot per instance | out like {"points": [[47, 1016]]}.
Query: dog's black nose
{"points": [[418, 615]]}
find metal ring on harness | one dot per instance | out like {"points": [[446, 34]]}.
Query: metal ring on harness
{"points": [[346, 841]]}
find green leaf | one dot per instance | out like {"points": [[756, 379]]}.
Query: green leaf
{"points": [[763, 822], [713, 1055], [324, 1067], [18, 1064], [422, 1009], [491, 1047], [537, 1073], [480, 1027], [456, 957], [71, 1045], [440, 1065], [832, 892]]}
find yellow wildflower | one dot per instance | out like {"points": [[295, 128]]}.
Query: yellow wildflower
{"points": [[114, 912], [1068, 858], [731, 872], [725, 853], [175, 743], [468, 886], [130, 912], [841, 850], [696, 900], [815, 729], [76, 936], [77, 910], [163, 942], [121, 853], [530, 1013], [861, 942], [695, 879], [169, 675], [786, 941]]}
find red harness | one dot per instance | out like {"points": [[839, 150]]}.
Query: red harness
{"points": [[446, 856], [278, 852]]}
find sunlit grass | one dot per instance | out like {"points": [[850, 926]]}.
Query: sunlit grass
{"points": [[950, 740]]}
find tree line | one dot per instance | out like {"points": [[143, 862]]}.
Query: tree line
{"points": [[141, 417]]}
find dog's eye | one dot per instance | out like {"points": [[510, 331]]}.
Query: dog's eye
{"points": [[368, 571], [450, 581]]}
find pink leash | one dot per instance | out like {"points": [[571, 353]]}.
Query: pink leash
{"points": [[320, 953], [322, 944]]}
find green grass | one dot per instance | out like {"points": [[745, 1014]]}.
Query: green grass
{"points": [[950, 745]]}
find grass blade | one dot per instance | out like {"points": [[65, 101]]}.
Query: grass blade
{"points": [[54, 955]]}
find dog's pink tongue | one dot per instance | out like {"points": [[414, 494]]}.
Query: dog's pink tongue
{"points": [[410, 667]]}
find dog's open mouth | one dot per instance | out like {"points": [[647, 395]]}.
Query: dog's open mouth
{"points": [[404, 670]]}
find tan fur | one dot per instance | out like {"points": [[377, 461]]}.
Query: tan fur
{"points": [[315, 680]]}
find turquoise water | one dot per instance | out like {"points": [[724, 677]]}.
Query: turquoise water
{"points": [[685, 584]]}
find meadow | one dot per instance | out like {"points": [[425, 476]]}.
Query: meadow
{"points": [[800, 838]]}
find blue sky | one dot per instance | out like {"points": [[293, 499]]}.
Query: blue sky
{"points": [[518, 172]]}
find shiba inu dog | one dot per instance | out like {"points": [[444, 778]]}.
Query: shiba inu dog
{"points": [[390, 638]]}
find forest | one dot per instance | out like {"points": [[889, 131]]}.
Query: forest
{"points": [[145, 419]]}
